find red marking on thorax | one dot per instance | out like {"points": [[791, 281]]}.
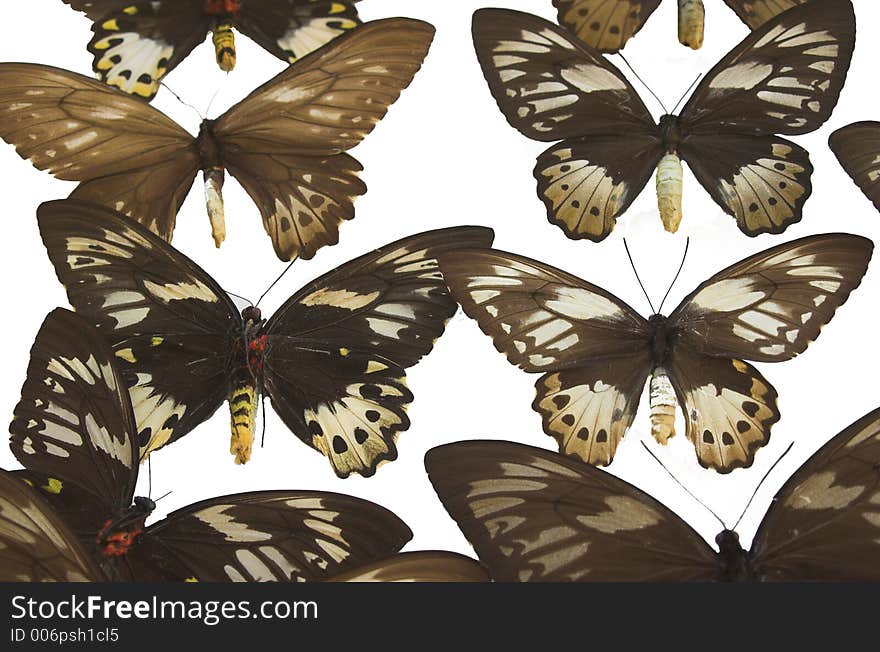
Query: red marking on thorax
{"points": [[118, 543], [223, 7], [257, 349]]}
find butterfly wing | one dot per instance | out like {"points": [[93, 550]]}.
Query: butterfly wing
{"points": [[824, 524], [291, 29], [551, 87], [605, 24], [336, 351], [135, 44], [74, 423], [170, 325], [285, 141], [857, 147], [35, 545], [755, 13], [267, 536], [784, 78], [593, 349], [419, 567], [768, 307], [533, 515], [127, 154]]}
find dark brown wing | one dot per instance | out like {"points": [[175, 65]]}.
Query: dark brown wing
{"points": [[533, 515], [770, 306], [605, 24], [763, 181], [593, 348], [74, 423], [291, 29], [419, 567], [136, 44], [549, 85], [587, 183], [336, 351], [96, 9], [824, 524], [130, 156], [35, 545], [284, 142], [857, 147], [784, 78], [755, 13], [171, 326], [267, 536]]}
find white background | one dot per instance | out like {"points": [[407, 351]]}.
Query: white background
{"points": [[444, 156]]}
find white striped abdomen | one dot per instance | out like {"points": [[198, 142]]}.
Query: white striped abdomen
{"points": [[670, 183], [663, 404]]}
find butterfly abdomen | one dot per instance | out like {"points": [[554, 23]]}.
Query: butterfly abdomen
{"points": [[663, 405], [691, 22], [670, 185], [243, 414], [224, 46]]}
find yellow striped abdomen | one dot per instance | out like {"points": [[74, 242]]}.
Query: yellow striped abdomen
{"points": [[691, 22], [224, 46], [243, 413]]}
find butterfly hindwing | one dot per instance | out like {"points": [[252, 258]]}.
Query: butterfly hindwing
{"points": [[824, 524], [755, 13], [770, 306], [532, 515], [427, 566], [359, 327], [605, 24], [35, 545], [161, 313], [857, 147], [74, 424]]}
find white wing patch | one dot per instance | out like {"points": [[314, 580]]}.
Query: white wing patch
{"points": [[155, 414], [217, 518], [819, 492], [313, 33], [131, 62]]}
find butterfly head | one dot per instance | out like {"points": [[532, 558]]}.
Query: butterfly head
{"points": [[251, 316], [120, 533]]}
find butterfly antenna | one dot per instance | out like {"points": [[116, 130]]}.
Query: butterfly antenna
{"points": [[179, 99], [163, 497], [686, 93], [633, 70], [213, 97], [275, 282], [680, 484], [677, 274], [755, 492], [636, 272]]}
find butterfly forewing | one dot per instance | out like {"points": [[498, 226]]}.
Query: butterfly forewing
{"points": [[770, 306], [268, 536], [605, 24], [35, 545], [784, 78], [550, 86], [337, 349], [73, 428], [419, 567], [533, 515], [824, 524], [755, 13], [160, 312], [857, 147]]}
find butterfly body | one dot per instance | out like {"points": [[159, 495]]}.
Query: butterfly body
{"points": [[734, 562], [119, 534]]}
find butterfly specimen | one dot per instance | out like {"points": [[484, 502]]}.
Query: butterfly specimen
{"points": [[857, 147], [74, 431], [332, 358], [418, 567], [285, 143], [784, 78], [137, 43], [608, 24], [534, 515], [595, 352]]}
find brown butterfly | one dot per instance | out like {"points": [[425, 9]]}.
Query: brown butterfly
{"points": [[857, 147], [595, 352], [533, 515], [784, 78], [608, 24], [285, 143], [137, 44]]}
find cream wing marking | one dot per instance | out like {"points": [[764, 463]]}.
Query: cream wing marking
{"points": [[605, 24]]}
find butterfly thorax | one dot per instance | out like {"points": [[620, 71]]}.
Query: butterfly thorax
{"points": [[118, 534], [244, 390], [670, 132], [733, 560], [213, 170], [661, 339], [224, 9]]}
